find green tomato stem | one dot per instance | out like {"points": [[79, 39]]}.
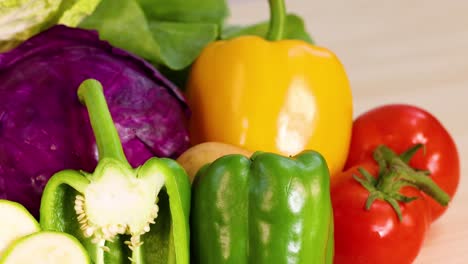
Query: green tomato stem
{"points": [[277, 20], [408, 176], [394, 174], [90, 94]]}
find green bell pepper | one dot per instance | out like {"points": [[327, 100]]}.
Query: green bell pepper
{"points": [[120, 214], [266, 209]]}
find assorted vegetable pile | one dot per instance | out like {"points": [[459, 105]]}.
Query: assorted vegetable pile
{"points": [[149, 131]]}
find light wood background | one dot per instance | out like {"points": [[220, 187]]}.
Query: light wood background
{"points": [[400, 51]]}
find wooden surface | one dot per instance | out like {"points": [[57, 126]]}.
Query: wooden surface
{"points": [[400, 51]]}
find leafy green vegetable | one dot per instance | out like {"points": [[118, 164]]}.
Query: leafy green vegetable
{"points": [[172, 33], [21, 19], [294, 29], [181, 43], [73, 11], [198, 11], [124, 25], [169, 33]]}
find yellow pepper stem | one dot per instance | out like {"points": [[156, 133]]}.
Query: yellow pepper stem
{"points": [[277, 19]]}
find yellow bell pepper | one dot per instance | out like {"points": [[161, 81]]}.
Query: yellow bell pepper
{"points": [[281, 96]]}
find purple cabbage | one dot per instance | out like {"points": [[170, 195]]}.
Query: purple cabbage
{"points": [[44, 128]]}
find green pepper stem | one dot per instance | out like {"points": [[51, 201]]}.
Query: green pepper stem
{"points": [[137, 257], [277, 19], [100, 252], [90, 94]]}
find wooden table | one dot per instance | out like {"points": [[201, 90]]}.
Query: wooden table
{"points": [[400, 51]]}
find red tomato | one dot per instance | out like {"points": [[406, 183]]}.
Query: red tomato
{"points": [[399, 127], [376, 235]]}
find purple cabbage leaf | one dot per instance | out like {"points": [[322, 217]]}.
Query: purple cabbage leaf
{"points": [[44, 128]]}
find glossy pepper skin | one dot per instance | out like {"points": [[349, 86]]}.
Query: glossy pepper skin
{"points": [[119, 213], [278, 96], [264, 209]]}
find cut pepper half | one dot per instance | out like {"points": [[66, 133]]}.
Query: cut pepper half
{"points": [[120, 213]]}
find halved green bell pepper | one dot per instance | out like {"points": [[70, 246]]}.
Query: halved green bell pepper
{"points": [[120, 214], [264, 209]]}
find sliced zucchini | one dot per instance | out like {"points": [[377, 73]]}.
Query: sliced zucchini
{"points": [[46, 247], [15, 222]]}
